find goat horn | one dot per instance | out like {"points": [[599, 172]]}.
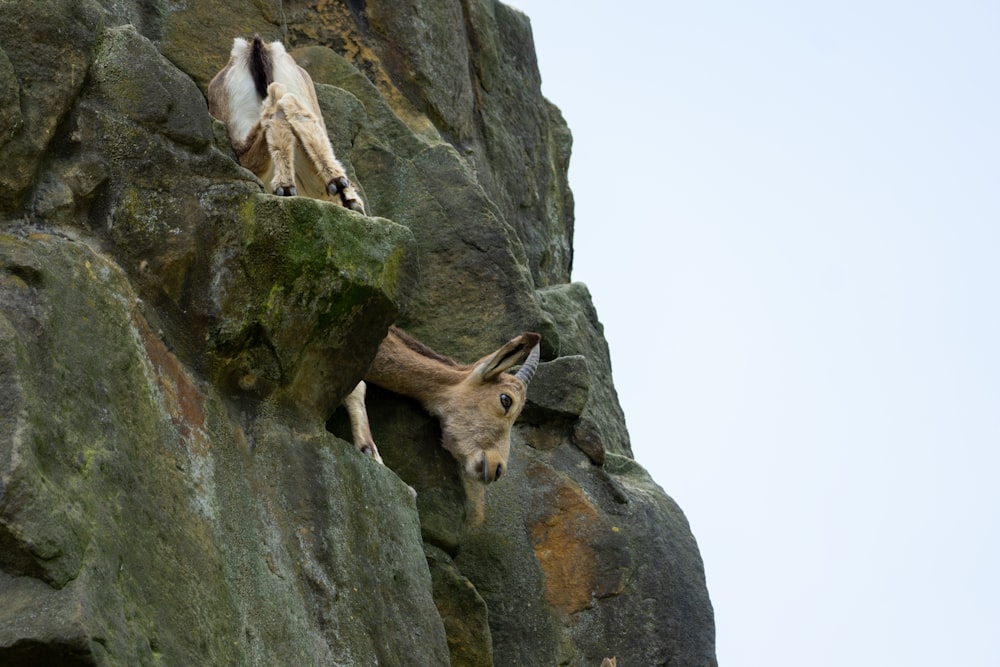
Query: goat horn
{"points": [[527, 369]]}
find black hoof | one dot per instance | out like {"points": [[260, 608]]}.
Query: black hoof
{"points": [[285, 191], [336, 185]]}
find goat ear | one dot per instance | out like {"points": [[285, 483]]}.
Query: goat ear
{"points": [[511, 354]]}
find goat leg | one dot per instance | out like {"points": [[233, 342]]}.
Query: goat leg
{"points": [[311, 133], [280, 141], [360, 428]]}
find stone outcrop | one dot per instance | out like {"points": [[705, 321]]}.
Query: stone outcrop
{"points": [[175, 481]]}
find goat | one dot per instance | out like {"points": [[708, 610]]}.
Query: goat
{"points": [[476, 404], [269, 106]]}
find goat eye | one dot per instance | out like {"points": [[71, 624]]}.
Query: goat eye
{"points": [[506, 401]]}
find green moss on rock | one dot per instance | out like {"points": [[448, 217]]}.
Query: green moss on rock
{"points": [[301, 282]]}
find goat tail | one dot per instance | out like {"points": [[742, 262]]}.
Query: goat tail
{"points": [[261, 68]]}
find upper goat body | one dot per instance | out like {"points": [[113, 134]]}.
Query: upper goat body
{"points": [[476, 404], [269, 105]]}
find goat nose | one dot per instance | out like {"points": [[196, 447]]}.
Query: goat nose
{"points": [[482, 469], [485, 473]]}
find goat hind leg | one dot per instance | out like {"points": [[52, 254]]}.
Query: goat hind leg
{"points": [[281, 146], [311, 133], [280, 142]]}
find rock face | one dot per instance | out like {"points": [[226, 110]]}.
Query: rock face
{"points": [[175, 484]]}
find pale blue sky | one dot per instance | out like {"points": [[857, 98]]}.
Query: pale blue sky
{"points": [[789, 217]]}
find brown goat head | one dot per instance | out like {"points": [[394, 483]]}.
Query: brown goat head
{"points": [[476, 404], [478, 411]]}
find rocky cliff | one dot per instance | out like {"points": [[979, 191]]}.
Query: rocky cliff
{"points": [[175, 486]]}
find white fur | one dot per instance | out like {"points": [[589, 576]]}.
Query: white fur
{"points": [[287, 71], [245, 106]]}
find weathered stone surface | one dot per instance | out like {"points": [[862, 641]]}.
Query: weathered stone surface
{"points": [[310, 286], [606, 550], [173, 342], [10, 100], [560, 388], [526, 143], [572, 541], [109, 432], [664, 585], [470, 67], [132, 78], [601, 427], [197, 36], [384, 125], [465, 614], [463, 302], [420, 40], [499, 560], [56, 633], [181, 533], [47, 45]]}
